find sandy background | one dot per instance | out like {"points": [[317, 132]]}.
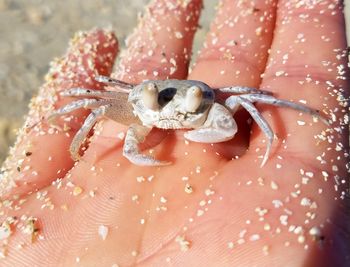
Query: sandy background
{"points": [[33, 32]]}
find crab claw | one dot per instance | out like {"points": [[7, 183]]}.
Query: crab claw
{"points": [[134, 136], [219, 127]]}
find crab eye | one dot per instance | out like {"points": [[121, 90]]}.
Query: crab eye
{"points": [[150, 96], [193, 99]]}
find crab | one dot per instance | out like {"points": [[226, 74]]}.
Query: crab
{"points": [[205, 112]]}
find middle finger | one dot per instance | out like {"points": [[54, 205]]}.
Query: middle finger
{"points": [[236, 48], [235, 53]]}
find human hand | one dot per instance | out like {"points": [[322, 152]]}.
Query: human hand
{"points": [[205, 209]]}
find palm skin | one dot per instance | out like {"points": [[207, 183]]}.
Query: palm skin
{"points": [[237, 214]]}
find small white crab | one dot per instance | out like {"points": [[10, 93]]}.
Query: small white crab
{"points": [[171, 104]]}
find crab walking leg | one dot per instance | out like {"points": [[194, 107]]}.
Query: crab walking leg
{"points": [[83, 103], [84, 131], [242, 90], [127, 87], [233, 102], [83, 92], [135, 135], [267, 99], [219, 127]]}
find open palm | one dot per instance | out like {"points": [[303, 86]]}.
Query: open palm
{"points": [[214, 206]]}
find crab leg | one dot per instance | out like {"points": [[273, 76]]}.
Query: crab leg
{"points": [[126, 87], [83, 103], [135, 135], [233, 103], [84, 131], [219, 127], [242, 90], [75, 92], [266, 99]]}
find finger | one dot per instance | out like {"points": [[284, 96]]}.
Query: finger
{"points": [[236, 48], [41, 154], [235, 53], [160, 47], [317, 77], [307, 63]]}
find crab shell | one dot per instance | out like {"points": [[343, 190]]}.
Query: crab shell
{"points": [[172, 104]]}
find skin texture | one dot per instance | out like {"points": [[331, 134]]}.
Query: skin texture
{"points": [[237, 214]]}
